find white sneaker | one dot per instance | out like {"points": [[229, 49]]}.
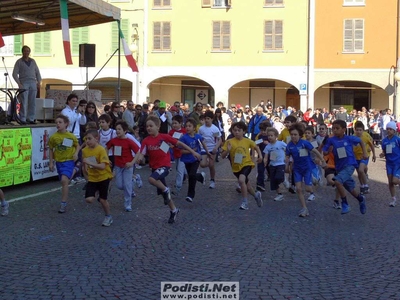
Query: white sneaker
{"points": [[393, 203], [4, 208], [286, 184], [107, 221], [278, 198], [258, 198], [311, 197], [204, 178], [304, 212], [244, 206], [212, 184]]}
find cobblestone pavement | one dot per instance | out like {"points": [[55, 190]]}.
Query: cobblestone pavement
{"points": [[272, 252]]}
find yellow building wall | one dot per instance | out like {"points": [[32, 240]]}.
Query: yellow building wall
{"points": [[191, 34], [379, 34]]}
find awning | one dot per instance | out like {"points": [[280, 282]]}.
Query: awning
{"points": [[81, 13]]}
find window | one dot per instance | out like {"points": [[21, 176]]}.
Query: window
{"points": [[161, 3], [80, 35], [273, 35], [273, 3], [222, 3], [115, 33], [353, 2], [206, 3], [42, 43], [353, 40], [13, 45], [221, 36], [162, 36]]}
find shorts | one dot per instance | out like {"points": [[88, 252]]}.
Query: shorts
{"points": [[160, 174], [364, 161], [93, 187], [246, 170], [277, 176], [65, 168], [345, 177], [393, 169], [299, 175], [330, 171]]}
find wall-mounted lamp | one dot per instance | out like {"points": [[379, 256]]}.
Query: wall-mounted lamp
{"points": [[28, 19], [134, 47]]}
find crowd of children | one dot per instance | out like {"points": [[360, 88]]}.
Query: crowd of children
{"points": [[295, 159]]}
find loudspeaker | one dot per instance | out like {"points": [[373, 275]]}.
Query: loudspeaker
{"points": [[87, 55]]}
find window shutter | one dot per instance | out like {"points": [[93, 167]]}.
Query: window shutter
{"points": [[228, 2], [17, 44], [157, 3], [167, 3], [268, 35], [348, 36], [206, 3], [279, 2], [269, 2], [46, 42], [216, 35], [75, 41], [166, 41], [37, 43], [278, 35], [115, 33], [358, 35], [226, 35], [157, 35]]}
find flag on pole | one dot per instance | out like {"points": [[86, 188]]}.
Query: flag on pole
{"points": [[65, 31], [128, 54], [1, 41]]}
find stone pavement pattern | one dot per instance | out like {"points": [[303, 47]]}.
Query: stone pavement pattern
{"points": [[272, 252]]}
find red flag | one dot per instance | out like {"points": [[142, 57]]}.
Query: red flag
{"points": [[1, 41]]}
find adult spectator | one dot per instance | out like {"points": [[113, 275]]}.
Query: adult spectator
{"points": [[278, 113], [142, 112], [255, 122], [75, 114], [342, 114], [156, 105], [270, 109], [239, 116], [386, 118], [307, 115], [129, 115], [178, 109], [231, 111], [27, 75], [91, 112], [115, 113], [165, 117], [197, 112], [318, 117], [106, 108], [263, 106]]}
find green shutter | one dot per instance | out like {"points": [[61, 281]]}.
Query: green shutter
{"points": [[115, 33], [18, 44], [42, 43], [79, 36]]}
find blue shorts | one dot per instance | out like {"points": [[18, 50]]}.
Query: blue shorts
{"points": [[345, 177], [160, 174], [362, 161], [65, 168], [393, 169], [300, 174]]}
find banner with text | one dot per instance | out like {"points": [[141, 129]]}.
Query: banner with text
{"points": [[40, 152]]}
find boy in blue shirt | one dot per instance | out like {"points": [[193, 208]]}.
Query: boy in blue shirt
{"points": [[345, 163], [391, 151]]}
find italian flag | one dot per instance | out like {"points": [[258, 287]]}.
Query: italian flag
{"points": [[1, 41], [65, 31], [127, 52]]}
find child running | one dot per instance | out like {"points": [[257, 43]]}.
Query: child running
{"points": [[262, 142], [317, 171], [299, 150], [123, 157], [238, 149], [5, 205], [156, 146], [96, 165], [176, 132], [212, 138], [362, 168], [345, 163], [63, 149], [195, 142], [275, 161], [391, 151], [284, 136], [106, 133]]}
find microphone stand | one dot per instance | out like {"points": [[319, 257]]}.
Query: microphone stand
{"points": [[6, 76]]}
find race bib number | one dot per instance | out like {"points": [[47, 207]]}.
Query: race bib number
{"points": [[67, 142], [177, 135], [259, 141], [164, 147], [303, 152], [238, 158], [117, 150], [341, 152], [389, 149], [273, 156], [315, 144]]}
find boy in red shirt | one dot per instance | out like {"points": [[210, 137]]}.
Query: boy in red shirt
{"points": [[176, 132], [123, 161], [156, 145]]}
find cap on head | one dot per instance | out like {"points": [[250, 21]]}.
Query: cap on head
{"points": [[162, 104], [391, 125]]}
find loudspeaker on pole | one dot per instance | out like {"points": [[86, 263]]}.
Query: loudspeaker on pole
{"points": [[87, 55]]}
